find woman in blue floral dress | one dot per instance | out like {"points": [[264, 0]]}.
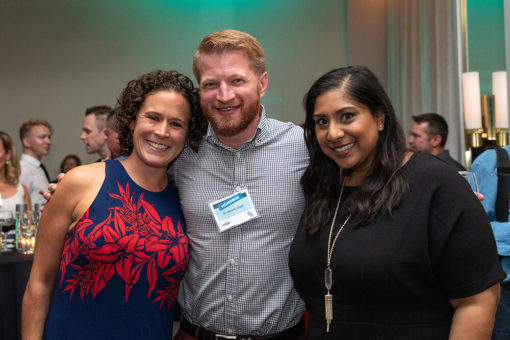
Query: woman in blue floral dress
{"points": [[111, 245]]}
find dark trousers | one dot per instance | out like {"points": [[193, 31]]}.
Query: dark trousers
{"points": [[182, 335], [502, 324]]}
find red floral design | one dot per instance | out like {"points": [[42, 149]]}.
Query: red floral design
{"points": [[135, 239]]}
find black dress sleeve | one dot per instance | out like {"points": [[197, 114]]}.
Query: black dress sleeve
{"points": [[462, 246]]}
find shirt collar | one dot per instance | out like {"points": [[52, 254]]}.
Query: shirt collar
{"points": [[30, 159], [443, 155]]}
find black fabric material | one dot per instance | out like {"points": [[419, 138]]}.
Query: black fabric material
{"points": [[393, 278], [203, 334], [45, 172], [445, 156], [503, 172], [14, 273]]}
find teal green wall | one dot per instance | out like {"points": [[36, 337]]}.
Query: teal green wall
{"points": [[486, 40]]}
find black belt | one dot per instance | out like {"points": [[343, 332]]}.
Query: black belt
{"points": [[203, 334]]}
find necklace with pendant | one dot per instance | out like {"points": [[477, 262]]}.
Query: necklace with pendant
{"points": [[328, 273]]}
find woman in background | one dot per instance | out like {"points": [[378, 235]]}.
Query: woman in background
{"points": [[12, 192], [69, 162], [391, 245], [111, 246]]}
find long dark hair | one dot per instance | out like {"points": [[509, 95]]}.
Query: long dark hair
{"points": [[384, 187]]}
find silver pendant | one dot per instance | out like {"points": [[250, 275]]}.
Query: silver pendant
{"points": [[328, 302], [328, 278]]}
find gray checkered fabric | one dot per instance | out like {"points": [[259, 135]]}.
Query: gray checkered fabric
{"points": [[238, 281]]}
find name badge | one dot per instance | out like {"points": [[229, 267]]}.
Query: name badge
{"points": [[233, 210]]}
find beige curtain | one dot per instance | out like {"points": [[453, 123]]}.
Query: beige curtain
{"points": [[423, 63]]}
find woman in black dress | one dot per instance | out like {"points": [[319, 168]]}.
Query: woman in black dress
{"points": [[391, 245]]}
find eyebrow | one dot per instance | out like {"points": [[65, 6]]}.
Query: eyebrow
{"points": [[339, 111], [160, 114]]}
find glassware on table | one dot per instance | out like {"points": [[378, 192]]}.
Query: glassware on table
{"points": [[36, 214], [470, 177], [25, 230], [8, 232]]}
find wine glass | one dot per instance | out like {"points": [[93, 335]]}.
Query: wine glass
{"points": [[26, 235], [470, 177], [8, 231]]}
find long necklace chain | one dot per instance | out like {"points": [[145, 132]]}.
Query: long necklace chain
{"points": [[332, 246], [328, 273]]}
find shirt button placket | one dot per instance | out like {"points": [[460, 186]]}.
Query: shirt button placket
{"points": [[232, 270]]}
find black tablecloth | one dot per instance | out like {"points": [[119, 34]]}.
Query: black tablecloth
{"points": [[14, 273]]}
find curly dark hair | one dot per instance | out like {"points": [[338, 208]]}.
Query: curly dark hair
{"points": [[384, 187], [132, 97]]}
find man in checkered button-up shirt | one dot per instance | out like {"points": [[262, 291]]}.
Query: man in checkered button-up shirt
{"points": [[238, 281]]}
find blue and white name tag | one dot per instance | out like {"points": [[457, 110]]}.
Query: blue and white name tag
{"points": [[233, 210]]}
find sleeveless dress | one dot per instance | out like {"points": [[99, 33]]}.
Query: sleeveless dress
{"points": [[121, 265], [9, 203]]}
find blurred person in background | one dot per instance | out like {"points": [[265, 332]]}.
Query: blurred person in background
{"points": [[69, 162], [493, 177], [429, 134], [93, 131], [112, 137], [12, 192], [35, 135]]}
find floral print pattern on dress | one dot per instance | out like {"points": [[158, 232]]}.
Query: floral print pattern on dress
{"points": [[135, 244]]}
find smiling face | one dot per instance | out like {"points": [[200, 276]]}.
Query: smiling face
{"points": [[161, 128], [347, 132], [230, 92]]}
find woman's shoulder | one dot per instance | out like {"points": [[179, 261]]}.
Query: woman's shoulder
{"points": [[84, 175], [425, 163], [428, 171]]}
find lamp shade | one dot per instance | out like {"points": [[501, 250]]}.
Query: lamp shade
{"points": [[499, 90], [471, 100]]}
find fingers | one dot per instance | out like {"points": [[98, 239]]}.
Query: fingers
{"points": [[51, 188], [47, 195], [479, 196]]}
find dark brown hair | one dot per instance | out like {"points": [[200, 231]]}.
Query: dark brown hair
{"points": [[133, 96]]}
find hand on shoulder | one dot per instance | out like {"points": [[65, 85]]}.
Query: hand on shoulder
{"points": [[77, 189], [76, 176]]}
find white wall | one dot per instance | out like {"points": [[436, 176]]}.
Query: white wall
{"points": [[59, 57], [367, 35]]}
